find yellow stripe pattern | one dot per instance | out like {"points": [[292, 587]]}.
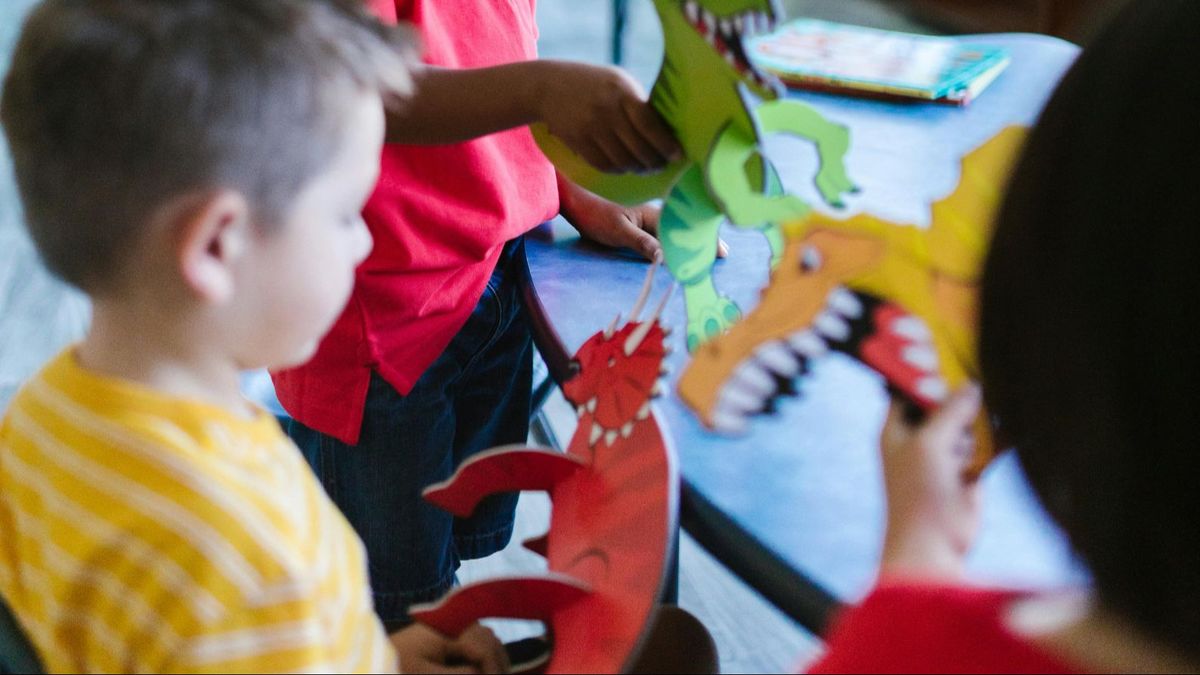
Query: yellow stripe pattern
{"points": [[144, 533]]}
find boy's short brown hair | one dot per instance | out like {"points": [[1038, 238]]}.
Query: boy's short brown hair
{"points": [[113, 107]]}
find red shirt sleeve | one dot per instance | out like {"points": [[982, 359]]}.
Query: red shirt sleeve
{"points": [[909, 628]]}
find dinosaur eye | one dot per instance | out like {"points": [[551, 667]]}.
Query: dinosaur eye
{"points": [[810, 259]]}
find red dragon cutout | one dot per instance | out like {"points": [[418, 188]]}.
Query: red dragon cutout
{"points": [[615, 498]]}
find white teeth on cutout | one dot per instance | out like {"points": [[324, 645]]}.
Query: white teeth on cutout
{"points": [[728, 423], [610, 437], [627, 430], [693, 11], [777, 357], [832, 326], [921, 356], [752, 377], [912, 328], [591, 405], [845, 302], [808, 344], [643, 412], [932, 388], [740, 400], [597, 432]]}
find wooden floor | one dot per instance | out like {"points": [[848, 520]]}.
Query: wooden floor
{"points": [[39, 315]]}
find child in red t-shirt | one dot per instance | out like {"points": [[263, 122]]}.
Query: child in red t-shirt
{"points": [[431, 361], [1089, 362]]}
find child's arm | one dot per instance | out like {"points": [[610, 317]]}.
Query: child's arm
{"points": [[599, 111], [612, 224], [932, 496]]}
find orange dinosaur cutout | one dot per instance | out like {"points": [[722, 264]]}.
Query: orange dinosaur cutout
{"points": [[900, 298]]}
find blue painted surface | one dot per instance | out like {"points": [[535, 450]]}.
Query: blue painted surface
{"points": [[807, 481]]}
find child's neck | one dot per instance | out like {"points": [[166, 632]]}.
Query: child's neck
{"points": [[161, 353]]}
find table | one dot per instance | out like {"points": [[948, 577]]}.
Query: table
{"points": [[797, 503]]}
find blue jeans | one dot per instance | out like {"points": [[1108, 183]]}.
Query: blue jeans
{"points": [[475, 396]]}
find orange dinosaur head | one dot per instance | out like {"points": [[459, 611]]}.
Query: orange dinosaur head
{"points": [[899, 298]]}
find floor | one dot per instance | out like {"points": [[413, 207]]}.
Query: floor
{"points": [[39, 315]]}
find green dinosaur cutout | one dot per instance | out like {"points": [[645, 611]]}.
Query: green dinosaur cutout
{"points": [[703, 92]]}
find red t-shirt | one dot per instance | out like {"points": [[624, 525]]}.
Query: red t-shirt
{"points": [[440, 216], [909, 628]]}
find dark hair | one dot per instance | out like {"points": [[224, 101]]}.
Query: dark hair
{"points": [[113, 107], [1089, 327]]}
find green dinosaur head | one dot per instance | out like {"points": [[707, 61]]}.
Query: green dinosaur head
{"points": [[724, 24]]}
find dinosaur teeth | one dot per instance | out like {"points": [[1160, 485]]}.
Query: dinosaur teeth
{"points": [[845, 302], [627, 430], [933, 388], [580, 411], [728, 422], [752, 378], [808, 344], [777, 357], [738, 400], [610, 437], [832, 326], [764, 22], [921, 356], [591, 405], [739, 24], [912, 328], [692, 8], [597, 432], [643, 412]]}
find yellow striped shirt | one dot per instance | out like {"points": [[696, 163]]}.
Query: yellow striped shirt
{"points": [[143, 533]]}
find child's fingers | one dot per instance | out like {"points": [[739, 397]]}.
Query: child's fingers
{"points": [[638, 147], [480, 646], [949, 423], [897, 432], [619, 157], [645, 243], [656, 132]]}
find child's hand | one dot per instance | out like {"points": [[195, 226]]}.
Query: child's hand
{"points": [[612, 224], [424, 650], [933, 509], [601, 113]]}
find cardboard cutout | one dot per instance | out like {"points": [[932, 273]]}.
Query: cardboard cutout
{"points": [[900, 298], [615, 500], [703, 92]]}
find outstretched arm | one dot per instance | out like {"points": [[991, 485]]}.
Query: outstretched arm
{"points": [[600, 112]]}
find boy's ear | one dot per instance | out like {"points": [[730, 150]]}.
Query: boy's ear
{"points": [[214, 231]]}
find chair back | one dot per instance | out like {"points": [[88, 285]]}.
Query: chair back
{"points": [[16, 653]]}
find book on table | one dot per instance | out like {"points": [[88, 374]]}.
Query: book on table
{"points": [[853, 60]]}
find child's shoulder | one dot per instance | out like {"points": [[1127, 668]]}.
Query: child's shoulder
{"points": [[209, 492], [933, 628]]}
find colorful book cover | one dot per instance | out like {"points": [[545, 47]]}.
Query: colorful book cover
{"points": [[807, 53]]}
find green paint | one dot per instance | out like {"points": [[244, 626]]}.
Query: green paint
{"points": [[704, 92]]}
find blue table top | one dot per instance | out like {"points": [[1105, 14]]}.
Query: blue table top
{"points": [[807, 482]]}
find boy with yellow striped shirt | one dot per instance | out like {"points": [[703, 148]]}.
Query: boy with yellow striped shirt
{"points": [[198, 168]]}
